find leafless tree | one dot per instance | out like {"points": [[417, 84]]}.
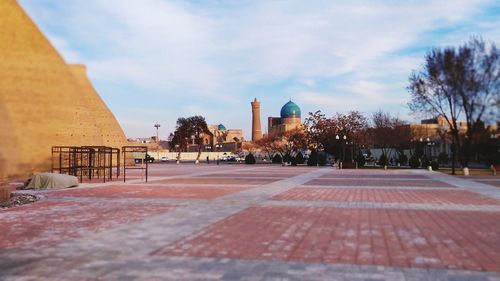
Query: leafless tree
{"points": [[389, 133], [455, 81]]}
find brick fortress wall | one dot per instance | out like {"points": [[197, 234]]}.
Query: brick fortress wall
{"points": [[42, 102]]}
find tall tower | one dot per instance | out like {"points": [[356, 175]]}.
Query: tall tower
{"points": [[256, 128]]}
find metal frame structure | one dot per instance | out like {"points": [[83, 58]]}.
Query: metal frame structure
{"points": [[101, 162], [131, 150], [86, 161]]}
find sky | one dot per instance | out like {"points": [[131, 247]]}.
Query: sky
{"points": [[157, 60]]}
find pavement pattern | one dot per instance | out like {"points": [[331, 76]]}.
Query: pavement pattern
{"points": [[259, 222]]}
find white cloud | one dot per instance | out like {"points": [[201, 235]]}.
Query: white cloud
{"points": [[216, 52]]}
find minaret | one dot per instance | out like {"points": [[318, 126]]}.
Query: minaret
{"points": [[256, 128]]}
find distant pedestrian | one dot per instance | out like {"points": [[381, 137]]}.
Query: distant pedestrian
{"points": [[208, 160]]}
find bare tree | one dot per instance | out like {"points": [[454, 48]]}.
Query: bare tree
{"points": [[455, 81], [479, 69], [381, 132], [389, 133]]}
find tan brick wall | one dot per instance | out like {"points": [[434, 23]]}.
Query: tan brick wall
{"points": [[41, 102], [110, 131]]}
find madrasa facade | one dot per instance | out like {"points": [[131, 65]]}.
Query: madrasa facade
{"points": [[290, 119]]}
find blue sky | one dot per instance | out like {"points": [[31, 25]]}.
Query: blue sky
{"points": [[156, 60]]}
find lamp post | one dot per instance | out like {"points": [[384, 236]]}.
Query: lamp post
{"points": [[428, 144], [337, 138], [177, 150], [157, 126], [342, 148], [218, 146]]}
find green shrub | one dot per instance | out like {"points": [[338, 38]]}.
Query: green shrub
{"points": [[414, 162], [383, 161], [443, 158], [360, 159], [287, 158], [434, 165], [369, 153], [322, 159], [300, 158], [313, 158], [250, 159], [403, 159], [425, 163], [277, 159]]}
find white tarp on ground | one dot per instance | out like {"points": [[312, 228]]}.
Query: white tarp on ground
{"points": [[51, 180]]}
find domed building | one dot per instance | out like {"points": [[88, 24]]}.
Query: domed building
{"points": [[290, 119], [227, 139]]}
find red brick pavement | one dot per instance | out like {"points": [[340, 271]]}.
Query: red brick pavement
{"points": [[373, 176], [149, 191], [217, 181], [387, 237], [377, 183], [386, 196], [167, 173], [48, 223], [248, 175]]}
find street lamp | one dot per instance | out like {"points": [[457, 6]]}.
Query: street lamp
{"points": [[342, 158], [207, 149], [177, 150], [428, 151], [218, 146], [157, 126]]}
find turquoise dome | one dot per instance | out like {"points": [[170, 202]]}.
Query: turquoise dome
{"points": [[290, 110], [221, 127]]}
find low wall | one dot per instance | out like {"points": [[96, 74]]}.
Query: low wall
{"points": [[188, 156]]}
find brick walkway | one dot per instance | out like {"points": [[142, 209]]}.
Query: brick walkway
{"points": [[237, 222]]}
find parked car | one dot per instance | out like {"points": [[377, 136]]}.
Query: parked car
{"points": [[164, 159], [148, 158]]}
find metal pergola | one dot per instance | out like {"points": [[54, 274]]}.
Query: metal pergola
{"points": [[130, 155]]}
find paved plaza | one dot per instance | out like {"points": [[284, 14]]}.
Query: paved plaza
{"points": [[259, 222]]}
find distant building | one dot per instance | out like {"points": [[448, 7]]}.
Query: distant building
{"points": [[222, 135], [227, 139], [435, 132], [290, 119], [151, 139], [256, 127]]}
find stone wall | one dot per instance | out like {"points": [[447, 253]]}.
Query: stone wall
{"points": [[110, 131], [42, 103]]}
